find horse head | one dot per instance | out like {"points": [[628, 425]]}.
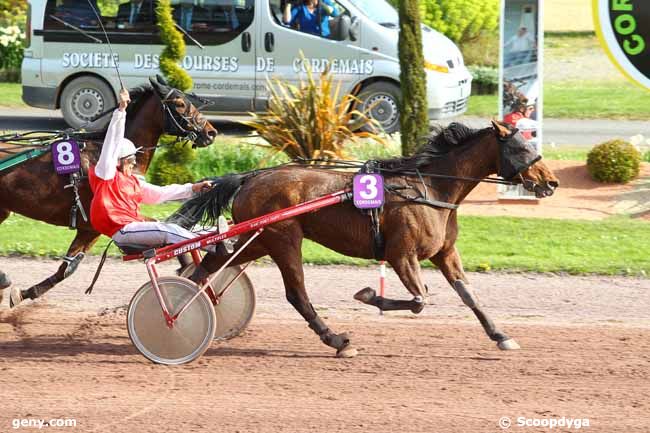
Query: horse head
{"points": [[182, 117], [519, 162]]}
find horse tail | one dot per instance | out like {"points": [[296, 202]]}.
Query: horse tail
{"points": [[206, 207]]}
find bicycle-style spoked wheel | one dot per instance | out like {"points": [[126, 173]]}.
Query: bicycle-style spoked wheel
{"points": [[237, 305], [192, 332]]}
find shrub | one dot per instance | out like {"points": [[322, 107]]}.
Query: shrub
{"points": [[174, 48], [309, 121], [13, 13], [172, 164], [614, 161], [486, 80], [232, 157], [11, 47]]}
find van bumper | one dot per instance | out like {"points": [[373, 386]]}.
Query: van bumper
{"points": [[41, 97], [448, 94]]}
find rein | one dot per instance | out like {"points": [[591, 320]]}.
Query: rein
{"points": [[340, 164]]}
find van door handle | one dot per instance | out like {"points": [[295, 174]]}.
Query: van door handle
{"points": [[269, 42], [246, 42]]}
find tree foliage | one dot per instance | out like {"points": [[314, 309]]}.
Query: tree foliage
{"points": [[414, 119], [12, 13], [460, 20], [172, 166], [174, 50]]}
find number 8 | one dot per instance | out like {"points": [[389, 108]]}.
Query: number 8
{"points": [[65, 155]]}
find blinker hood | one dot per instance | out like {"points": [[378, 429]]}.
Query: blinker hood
{"points": [[515, 155]]}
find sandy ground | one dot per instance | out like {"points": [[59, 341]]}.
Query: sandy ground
{"points": [[579, 197], [585, 340]]}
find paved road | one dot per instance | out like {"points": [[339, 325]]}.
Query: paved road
{"points": [[559, 132]]}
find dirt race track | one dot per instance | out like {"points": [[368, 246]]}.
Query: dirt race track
{"points": [[585, 354]]}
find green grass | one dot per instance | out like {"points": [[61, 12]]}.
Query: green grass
{"points": [[11, 95], [566, 153], [483, 106], [614, 246], [580, 100]]}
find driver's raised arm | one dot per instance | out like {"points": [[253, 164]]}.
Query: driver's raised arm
{"points": [[107, 164]]}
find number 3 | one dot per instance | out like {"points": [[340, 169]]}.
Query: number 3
{"points": [[370, 183], [64, 151]]}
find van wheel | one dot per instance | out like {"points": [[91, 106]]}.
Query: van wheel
{"points": [[84, 98], [382, 100]]}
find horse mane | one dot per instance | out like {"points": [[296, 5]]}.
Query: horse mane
{"points": [[441, 141], [138, 95]]}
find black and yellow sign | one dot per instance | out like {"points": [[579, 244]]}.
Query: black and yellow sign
{"points": [[623, 27]]}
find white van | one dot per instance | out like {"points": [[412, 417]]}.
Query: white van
{"points": [[233, 47]]}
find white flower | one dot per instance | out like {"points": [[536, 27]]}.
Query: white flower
{"points": [[4, 40], [14, 30]]}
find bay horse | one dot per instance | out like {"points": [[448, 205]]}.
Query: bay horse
{"points": [[413, 230], [34, 190]]}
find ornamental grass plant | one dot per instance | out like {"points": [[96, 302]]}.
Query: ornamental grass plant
{"points": [[311, 120]]}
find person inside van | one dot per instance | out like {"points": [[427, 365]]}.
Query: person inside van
{"points": [[311, 16], [134, 12]]}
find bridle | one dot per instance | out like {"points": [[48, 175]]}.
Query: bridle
{"points": [[182, 125]]}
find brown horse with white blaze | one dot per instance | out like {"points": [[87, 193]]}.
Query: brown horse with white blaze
{"points": [[33, 189], [459, 156]]}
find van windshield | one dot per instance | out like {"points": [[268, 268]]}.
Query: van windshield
{"points": [[380, 11]]}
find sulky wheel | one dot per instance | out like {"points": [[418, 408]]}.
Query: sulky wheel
{"points": [[192, 332], [237, 306]]}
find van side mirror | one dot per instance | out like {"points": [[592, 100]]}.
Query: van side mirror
{"points": [[355, 26], [340, 28]]}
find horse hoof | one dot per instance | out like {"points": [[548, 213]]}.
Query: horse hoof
{"points": [[347, 352], [509, 344], [365, 295], [15, 297], [5, 282], [417, 308]]}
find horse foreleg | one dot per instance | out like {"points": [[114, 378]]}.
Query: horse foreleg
{"points": [[450, 264], [408, 270], [284, 247], [83, 241], [5, 282]]}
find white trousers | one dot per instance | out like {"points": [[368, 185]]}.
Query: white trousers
{"points": [[150, 234]]}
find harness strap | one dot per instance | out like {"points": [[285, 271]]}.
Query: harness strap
{"points": [[396, 189], [89, 290], [378, 242]]}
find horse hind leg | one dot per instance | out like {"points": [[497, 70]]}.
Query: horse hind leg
{"points": [[83, 241], [450, 264]]}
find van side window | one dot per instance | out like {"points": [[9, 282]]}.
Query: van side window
{"points": [[126, 21], [214, 22], [321, 18]]}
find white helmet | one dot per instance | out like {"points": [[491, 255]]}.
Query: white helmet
{"points": [[127, 148]]}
